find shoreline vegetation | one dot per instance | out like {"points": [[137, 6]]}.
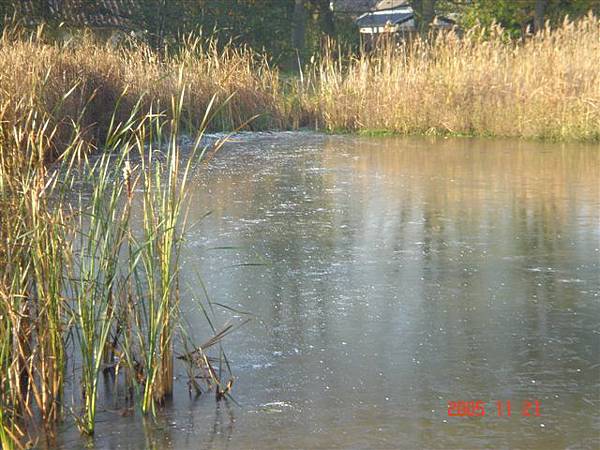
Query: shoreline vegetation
{"points": [[89, 247], [482, 83], [90, 283]]}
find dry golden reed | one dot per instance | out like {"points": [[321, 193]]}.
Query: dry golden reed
{"points": [[89, 270], [37, 74], [480, 83], [547, 86]]}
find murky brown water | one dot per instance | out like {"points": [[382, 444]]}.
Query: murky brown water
{"points": [[398, 275]]}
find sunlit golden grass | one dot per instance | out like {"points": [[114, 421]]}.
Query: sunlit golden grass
{"points": [[34, 73], [480, 84]]}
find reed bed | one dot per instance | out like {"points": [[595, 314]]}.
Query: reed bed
{"points": [[37, 72], [89, 267], [478, 84]]}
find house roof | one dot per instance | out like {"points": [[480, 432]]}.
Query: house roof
{"points": [[390, 4], [382, 18], [374, 21]]}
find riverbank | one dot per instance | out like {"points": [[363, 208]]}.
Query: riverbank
{"points": [[479, 85]]}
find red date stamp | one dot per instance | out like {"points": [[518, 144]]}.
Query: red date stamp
{"points": [[499, 408]]}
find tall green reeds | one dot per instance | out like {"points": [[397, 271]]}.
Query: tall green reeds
{"points": [[163, 178], [90, 249], [102, 233]]}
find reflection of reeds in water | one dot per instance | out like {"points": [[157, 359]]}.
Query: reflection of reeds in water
{"points": [[462, 176], [75, 264]]}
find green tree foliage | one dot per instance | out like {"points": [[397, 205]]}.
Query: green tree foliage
{"points": [[288, 29], [517, 15], [262, 24], [424, 13], [280, 27], [284, 29], [6, 10]]}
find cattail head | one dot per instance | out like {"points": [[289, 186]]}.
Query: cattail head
{"points": [[127, 178]]}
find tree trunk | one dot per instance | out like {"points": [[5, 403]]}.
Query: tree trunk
{"points": [[44, 10], [424, 14], [298, 26], [417, 6], [326, 18], [539, 16], [427, 14], [160, 24]]}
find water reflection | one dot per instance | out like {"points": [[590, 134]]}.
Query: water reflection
{"points": [[401, 274]]}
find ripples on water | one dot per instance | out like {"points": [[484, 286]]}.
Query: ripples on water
{"points": [[393, 275]]}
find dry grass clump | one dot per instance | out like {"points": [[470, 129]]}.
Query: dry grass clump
{"points": [[89, 267], [480, 84], [37, 74]]}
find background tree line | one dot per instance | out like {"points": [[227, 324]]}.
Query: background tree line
{"points": [[517, 16], [283, 28], [279, 27]]}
